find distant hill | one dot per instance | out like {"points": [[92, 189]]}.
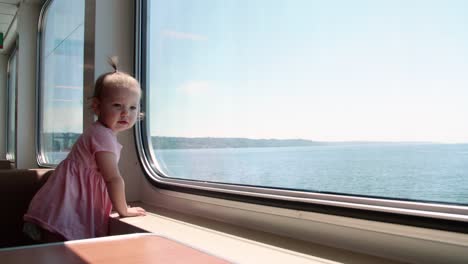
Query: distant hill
{"points": [[209, 142]]}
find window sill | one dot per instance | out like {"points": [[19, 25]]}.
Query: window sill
{"points": [[235, 244]]}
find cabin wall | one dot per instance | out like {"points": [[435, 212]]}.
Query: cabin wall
{"points": [[3, 104], [28, 17], [114, 36]]}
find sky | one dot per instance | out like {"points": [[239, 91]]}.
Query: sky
{"points": [[319, 70]]}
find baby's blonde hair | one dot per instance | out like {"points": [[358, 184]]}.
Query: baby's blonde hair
{"points": [[114, 78]]}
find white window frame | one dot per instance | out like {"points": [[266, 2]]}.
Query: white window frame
{"points": [[370, 208]]}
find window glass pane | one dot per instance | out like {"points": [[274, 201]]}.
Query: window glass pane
{"points": [[11, 107], [62, 44], [353, 97]]}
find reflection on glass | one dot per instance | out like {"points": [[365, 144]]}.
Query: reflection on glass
{"points": [[11, 107], [62, 44], [353, 97]]}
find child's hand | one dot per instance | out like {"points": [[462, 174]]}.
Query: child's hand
{"points": [[134, 211]]}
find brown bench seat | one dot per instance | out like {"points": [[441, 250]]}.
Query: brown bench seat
{"points": [[5, 165], [17, 187]]}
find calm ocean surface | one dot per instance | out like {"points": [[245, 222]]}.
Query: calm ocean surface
{"points": [[428, 172]]}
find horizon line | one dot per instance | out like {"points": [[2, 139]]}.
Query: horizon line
{"points": [[327, 141]]}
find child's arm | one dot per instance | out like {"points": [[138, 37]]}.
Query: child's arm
{"points": [[107, 165]]}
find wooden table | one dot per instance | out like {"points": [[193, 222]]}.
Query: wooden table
{"points": [[133, 248]]}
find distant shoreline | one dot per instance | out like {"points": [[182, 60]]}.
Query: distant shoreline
{"points": [[60, 141], [212, 142]]}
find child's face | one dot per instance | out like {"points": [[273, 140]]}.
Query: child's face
{"points": [[118, 108]]}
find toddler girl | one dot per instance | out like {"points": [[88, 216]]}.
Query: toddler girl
{"points": [[77, 199]]}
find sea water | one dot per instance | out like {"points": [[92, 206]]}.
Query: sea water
{"points": [[422, 172]]}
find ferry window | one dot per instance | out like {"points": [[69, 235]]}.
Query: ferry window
{"points": [[360, 98], [61, 44], [11, 107]]}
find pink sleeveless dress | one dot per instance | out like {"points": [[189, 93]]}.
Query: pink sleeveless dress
{"points": [[74, 201]]}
